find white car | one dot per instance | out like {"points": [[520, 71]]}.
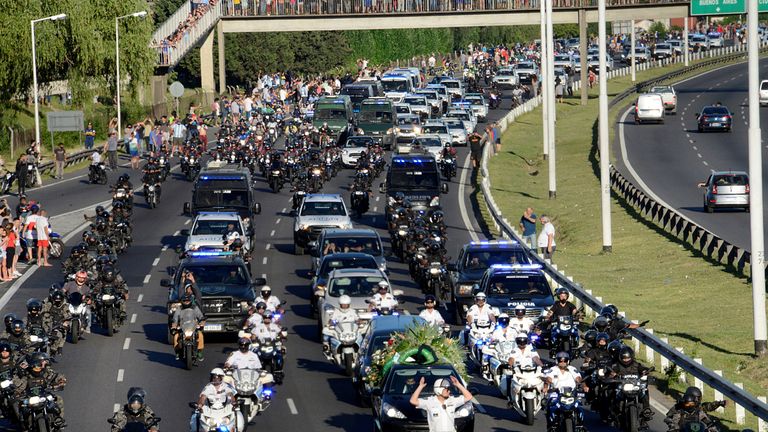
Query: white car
{"points": [[437, 127], [478, 104], [764, 92], [456, 128], [564, 61], [470, 122], [668, 95], [649, 108], [408, 127], [352, 149], [505, 77], [317, 212], [419, 105], [526, 71], [209, 229], [358, 283], [454, 87]]}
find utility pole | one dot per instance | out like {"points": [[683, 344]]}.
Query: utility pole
{"points": [[544, 92], [584, 75], [685, 41], [550, 82], [757, 256], [632, 51], [605, 184]]}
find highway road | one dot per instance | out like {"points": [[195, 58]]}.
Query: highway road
{"points": [[668, 160], [316, 396]]}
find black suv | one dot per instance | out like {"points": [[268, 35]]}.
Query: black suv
{"points": [[224, 187], [225, 285], [473, 260], [392, 410], [507, 286]]}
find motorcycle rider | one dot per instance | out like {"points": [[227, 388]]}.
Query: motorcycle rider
{"points": [[430, 314], [109, 278], [243, 358], [521, 322], [217, 392], [188, 313], [557, 378], [383, 299], [35, 316], [524, 352], [626, 366], [39, 377], [480, 311], [17, 336], [273, 303], [8, 320], [136, 411], [687, 410], [692, 394], [343, 314], [257, 316], [266, 330], [58, 310], [151, 175], [502, 333]]}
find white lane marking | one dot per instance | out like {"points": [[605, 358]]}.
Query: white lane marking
{"points": [[133, 318], [695, 148], [690, 141], [705, 163], [186, 222], [658, 406], [263, 275], [116, 408], [146, 279], [699, 155], [462, 205], [127, 341], [478, 406], [140, 298], [290, 199], [377, 198], [375, 208], [176, 233], [157, 260], [120, 375], [165, 248], [284, 209], [292, 406], [278, 221], [264, 261], [268, 246], [272, 234]]}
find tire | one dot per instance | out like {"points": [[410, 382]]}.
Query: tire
{"points": [[348, 364], [709, 209], [569, 425], [566, 347], [529, 414], [298, 250], [56, 248], [109, 322], [188, 357], [74, 329], [42, 424], [631, 420]]}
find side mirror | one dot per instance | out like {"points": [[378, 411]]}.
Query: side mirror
{"points": [[701, 184], [259, 281], [451, 267], [382, 188], [184, 232], [165, 283], [397, 293], [187, 210], [257, 208], [312, 245], [444, 188]]}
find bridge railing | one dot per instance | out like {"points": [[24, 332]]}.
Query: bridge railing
{"points": [[657, 351], [181, 32]]}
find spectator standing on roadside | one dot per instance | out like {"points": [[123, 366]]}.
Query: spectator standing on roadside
{"points": [[21, 173], [179, 132], [90, 136], [110, 147], [546, 240], [528, 227], [43, 238], [496, 136], [60, 159], [476, 142]]}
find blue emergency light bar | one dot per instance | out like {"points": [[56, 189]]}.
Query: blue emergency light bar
{"points": [[202, 254], [492, 242], [221, 177], [413, 161], [516, 266]]}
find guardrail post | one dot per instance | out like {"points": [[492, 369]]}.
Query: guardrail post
{"points": [[683, 378], [696, 380], [762, 425], [664, 360], [718, 394], [648, 350], [740, 412]]}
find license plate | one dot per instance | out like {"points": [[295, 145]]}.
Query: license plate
{"points": [[715, 124], [213, 327]]}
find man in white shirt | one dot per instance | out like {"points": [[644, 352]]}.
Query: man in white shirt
{"points": [[43, 238], [479, 312], [383, 298], [243, 358], [95, 158], [520, 322], [559, 377], [430, 314], [546, 240], [441, 408]]}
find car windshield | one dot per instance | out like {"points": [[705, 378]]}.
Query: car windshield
{"points": [[358, 142], [330, 114], [481, 260], [354, 286], [215, 227], [415, 101], [429, 95], [428, 142], [475, 100], [408, 120], [368, 245], [414, 180], [731, 180], [402, 109], [525, 66], [220, 198], [323, 208], [222, 280], [458, 115], [440, 90], [562, 58], [375, 116], [699, 39], [331, 264], [455, 125], [451, 84], [518, 284], [378, 343], [434, 129], [662, 47], [395, 85], [405, 381], [715, 110], [660, 90]]}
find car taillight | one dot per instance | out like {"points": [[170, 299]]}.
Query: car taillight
{"points": [[747, 188], [714, 189]]}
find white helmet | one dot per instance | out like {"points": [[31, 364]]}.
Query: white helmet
{"points": [[266, 288], [383, 284], [519, 308], [480, 295], [345, 300], [233, 235], [440, 384]]}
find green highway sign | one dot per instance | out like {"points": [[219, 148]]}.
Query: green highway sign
{"points": [[762, 5], [721, 7]]}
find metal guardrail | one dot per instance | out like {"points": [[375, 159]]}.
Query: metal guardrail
{"points": [[741, 398]]}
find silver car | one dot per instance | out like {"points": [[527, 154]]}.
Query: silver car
{"points": [[726, 189], [458, 133], [360, 284]]}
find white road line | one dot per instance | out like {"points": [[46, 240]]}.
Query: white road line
{"points": [[462, 204], [116, 408], [120, 375], [705, 163], [264, 261], [478, 406], [658, 406], [157, 260], [177, 233], [146, 279], [272, 234], [699, 155], [278, 221], [165, 248], [268, 246], [375, 208], [377, 198], [140, 298], [264, 275], [695, 148], [127, 341], [186, 222], [284, 209], [290, 199], [133, 318], [292, 406]]}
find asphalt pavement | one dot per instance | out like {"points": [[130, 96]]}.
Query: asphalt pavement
{"points": [[668, 160], [315, 396]]}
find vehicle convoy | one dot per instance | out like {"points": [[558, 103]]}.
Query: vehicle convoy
{"points": [[335, 112], [377, 119], [668, 97], [216, 230], [224, 187], [417, 177]]}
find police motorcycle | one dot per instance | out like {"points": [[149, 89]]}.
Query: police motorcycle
{"points": [[566, 413], [97, 173], [360, 198], [190, 165], [217, 418], [478, 334], [37, 407], [448, 166], [188, 334], [271, 352], [253, 394], [344, 344], [107, 309], [164, 165], [78, 308], [522, 384], [121, 195], [299, 190], [564, 335], [627, 401], [276, 179], [6, 181]]}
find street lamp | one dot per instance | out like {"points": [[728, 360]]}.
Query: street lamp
{"points": [[34, 70], [117, 64]]}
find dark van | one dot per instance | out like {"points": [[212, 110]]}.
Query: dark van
{"points": [[224, 187], [416, 176]]}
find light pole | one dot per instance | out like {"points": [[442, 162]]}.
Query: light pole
{"points": [[544, 88], [117, 64], [34, 70], [605, 184]]}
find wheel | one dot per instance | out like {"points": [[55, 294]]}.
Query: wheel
{"points": [[188, 357], [170, 337], [298, 250], [74, 329], [109, 322], [56, 248], [42, 424], [569, 425], [529, 414], [631, 420], [708, 209], [348, 364]]}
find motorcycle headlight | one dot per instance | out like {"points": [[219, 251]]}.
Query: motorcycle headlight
{"points": [[35, 400], [346, 226], [188, 333], [629, 387], [317, 171], [465, 290], [567, 400], [151, 188], [303, 227], [34, 338], [434, 271], [435, 202], [402, 233], [107, 297], [391, 411], [416, 130], [464, 410], [5, 384]]}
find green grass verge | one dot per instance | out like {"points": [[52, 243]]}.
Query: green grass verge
{"points": [[698, 305]]}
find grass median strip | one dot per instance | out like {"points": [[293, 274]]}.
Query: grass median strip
{"points": [[698, 305]]}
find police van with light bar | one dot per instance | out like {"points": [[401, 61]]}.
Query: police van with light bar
{"points": [[224, 284], [509, 285], [417, 177], [222, 187]]}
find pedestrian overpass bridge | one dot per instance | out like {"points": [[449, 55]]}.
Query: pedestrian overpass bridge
{"points": [[179, 35]]}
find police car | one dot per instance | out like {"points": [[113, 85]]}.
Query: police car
{"points": [[509, 285], [213, 230]]}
